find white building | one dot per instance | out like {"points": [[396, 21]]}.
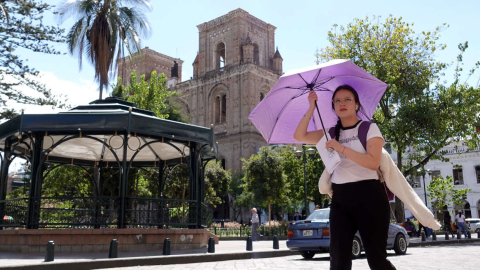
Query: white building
{"points": [[464, 167]]}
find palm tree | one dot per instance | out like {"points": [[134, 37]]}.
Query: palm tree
{"points": [[103, 29]]}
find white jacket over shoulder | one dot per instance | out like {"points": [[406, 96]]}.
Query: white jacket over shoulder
{"points": [[397, 184]]}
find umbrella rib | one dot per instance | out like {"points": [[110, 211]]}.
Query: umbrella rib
{"points": [[314, 81], [302, 78]]}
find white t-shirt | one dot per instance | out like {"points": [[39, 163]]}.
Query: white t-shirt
{"points": [[459, 218], [348, 171]]}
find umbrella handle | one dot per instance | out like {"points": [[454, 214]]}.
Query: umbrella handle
{"points": [[321, 121]]}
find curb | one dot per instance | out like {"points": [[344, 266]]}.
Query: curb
{"points": [[156, 260], [443, 242], [191, 258]]}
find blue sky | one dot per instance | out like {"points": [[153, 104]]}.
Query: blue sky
{"points": [[302, 27]]}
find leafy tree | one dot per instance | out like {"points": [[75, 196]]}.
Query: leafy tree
{"points": [[442, 192], [217, 181], [150, 95], [264, 177], [103, 31], [21, 27], [417, 112], [74, 182]]}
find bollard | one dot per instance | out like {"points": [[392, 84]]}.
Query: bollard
{"points": [[211, 245], [434, 236], [112, 253], [459, 235], [166, 246], [469, 235], [447, 235], [249, 244], [423, 237], [50, 249], [223, 223], [275, 242]]}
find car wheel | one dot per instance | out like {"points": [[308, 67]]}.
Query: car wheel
{"points": [[356, 248], [308, 254], [400, 245]]}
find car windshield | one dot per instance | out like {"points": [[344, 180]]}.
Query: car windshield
{"points": [[319, 214]]}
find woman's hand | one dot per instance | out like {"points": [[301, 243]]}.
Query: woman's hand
{"points": [[335, 145], [312, 97]]}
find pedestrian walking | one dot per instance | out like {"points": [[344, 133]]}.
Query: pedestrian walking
{"points": [[447, 223], [255, 221], [359, 196], [461, 225]]}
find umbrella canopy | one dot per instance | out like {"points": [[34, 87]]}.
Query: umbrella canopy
{"points": [[279, 113]]}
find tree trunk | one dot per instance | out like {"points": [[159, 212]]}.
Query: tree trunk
{"points": [[399, 208], [283, 213], [269, 218], [101, 90]]}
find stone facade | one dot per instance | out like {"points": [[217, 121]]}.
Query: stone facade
{"points": [[146, 61], [235, 68]]}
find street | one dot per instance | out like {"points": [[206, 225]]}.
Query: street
{"points": [[452, 257]]}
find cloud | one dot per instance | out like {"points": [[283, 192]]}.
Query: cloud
{"points": [[72, 93]]}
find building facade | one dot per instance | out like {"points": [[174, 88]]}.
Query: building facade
{"points": [[235, 68], [464, 167]]}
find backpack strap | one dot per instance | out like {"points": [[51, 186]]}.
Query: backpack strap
{"points": [[362, 133], [331, 132]]}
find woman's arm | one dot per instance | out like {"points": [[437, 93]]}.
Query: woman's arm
{"points": [[370, 160], [301, 133]]}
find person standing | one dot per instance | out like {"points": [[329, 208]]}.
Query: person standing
{"points": [[359, 197], [461, 225], [447, 221], [296, 217], [255, 220]]}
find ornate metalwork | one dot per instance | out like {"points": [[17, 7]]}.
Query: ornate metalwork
{"points": [[14, 212], [160, 212]]}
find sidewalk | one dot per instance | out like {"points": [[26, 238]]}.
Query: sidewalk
{"points": [[225, 250]]}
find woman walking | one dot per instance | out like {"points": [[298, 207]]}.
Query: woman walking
{"points": [[359, 197], [255, 221]]}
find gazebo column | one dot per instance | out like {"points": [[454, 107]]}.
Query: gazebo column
{"points": [[4, 179], [161, 210], [35, 183], [97, 173], [123, 185]]}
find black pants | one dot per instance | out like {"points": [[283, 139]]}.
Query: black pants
{"points": [[361, 206]]}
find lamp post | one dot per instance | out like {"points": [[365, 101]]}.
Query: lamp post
{"points": [[304, 154], [422, 171]]}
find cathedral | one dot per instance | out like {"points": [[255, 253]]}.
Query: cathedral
{"points": [[236, 65]]}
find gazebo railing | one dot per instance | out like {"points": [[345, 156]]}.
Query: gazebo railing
{"points": [[102, 212], [13, 212], [144, 212], [76, 212]]}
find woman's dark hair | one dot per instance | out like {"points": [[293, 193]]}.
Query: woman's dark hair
{"points": [[357, 100]]}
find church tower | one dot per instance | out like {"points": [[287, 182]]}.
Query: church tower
{"points": [[236, 66]]}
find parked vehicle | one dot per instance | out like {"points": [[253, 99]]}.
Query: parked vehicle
{"points": [[473, 224], [312, 235]]}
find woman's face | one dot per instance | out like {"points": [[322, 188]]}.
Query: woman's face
{"points": [[344, 103]]}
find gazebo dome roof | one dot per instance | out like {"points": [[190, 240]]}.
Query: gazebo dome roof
{"points": [[97, 130]]}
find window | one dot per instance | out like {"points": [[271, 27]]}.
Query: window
{"points": [[256, 54], [262, 96], [220, 109], [223, 163], [220, 56], [415, 181], [435, 174], [477, 173], [458, 176]]}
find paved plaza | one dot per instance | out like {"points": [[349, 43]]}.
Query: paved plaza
{"points": [[453, 257]]}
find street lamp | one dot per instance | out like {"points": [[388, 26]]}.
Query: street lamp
{"points": [[422, 171], [299, 153]]}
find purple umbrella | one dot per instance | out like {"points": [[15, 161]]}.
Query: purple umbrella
{"points": [[276, 117]]}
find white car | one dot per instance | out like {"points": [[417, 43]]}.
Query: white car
{"points": [[473, 224]]}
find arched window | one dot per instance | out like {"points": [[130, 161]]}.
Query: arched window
{"points": [[262, 96], [256, 54], [220, 56], [220, 109], [224, 109], [223, 163]]}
